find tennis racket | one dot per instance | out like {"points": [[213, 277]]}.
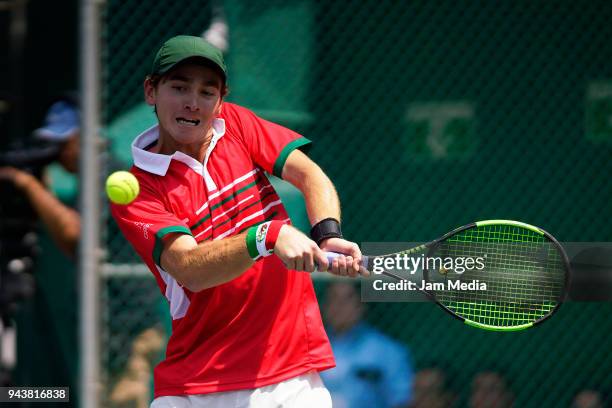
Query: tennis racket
{"points": [[525, 270]]}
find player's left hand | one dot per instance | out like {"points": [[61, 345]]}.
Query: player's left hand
{"points": [[347, 264]]}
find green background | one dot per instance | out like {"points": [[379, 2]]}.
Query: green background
{"points": [[427, 115]]}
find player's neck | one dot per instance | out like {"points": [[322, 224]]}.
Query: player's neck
{"points": [[167, 145]]}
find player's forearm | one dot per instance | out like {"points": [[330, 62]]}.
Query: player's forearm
{"points": [[62, 222], [209, 264], [319, 192], [321, 199]]}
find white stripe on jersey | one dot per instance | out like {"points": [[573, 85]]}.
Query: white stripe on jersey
{"points": [[250, 217], [224, 189]]}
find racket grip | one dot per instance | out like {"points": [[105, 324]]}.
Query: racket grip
{"points": [[333, 255]]}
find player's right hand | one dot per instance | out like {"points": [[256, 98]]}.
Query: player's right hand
{"points": [[297, 251], [18, 177]]}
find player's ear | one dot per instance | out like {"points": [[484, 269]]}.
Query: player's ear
{"points": [[149, 90]]}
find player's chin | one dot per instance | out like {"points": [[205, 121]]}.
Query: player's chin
{"points": [[188, 136]]}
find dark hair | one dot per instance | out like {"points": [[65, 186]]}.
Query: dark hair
{"points": [[154, 79]]}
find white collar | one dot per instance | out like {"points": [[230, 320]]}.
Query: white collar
{"points": [[158, 163]]}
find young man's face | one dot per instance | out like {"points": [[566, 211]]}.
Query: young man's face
{"points": [[187, 99]]}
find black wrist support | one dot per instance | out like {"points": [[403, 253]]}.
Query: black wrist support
{"points": [[327, 228]]}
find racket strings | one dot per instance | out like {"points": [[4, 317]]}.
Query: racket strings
{"points": [[523, 273]]}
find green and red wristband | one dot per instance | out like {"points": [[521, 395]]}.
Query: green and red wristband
{"points": [[261, 239]]}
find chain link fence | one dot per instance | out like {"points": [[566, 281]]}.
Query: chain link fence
{"points": [[427, 115]]}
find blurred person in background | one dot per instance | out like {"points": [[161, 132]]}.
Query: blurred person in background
{"points": [[45, 178], [51, 313], [134, 387], [588, 399], [490, 390], [429, 389], [61, 128], [372, 370]]}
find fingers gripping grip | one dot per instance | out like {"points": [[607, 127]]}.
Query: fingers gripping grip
{"points": [[333, 255]]}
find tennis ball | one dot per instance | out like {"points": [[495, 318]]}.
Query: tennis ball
{"points": [[122, 187]]}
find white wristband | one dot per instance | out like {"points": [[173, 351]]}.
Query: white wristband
{"points": [[260, 239]]}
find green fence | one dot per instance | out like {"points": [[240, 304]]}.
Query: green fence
{"points": [[427, 115]]}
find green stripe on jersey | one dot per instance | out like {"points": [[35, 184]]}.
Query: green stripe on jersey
{"points": [[277, 170], [242, 210], [225, 200], [159, 244]]}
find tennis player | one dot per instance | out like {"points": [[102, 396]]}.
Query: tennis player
{"points": [[246, 330]]}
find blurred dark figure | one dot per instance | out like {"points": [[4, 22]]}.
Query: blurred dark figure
{"points": [[490, 390], [39, 235], [26, 199], [429, 390], [588, 399], [61, 132], [372, 370], [134, 387]]}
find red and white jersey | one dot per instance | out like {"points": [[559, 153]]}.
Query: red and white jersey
{"points": [[262, 327]]}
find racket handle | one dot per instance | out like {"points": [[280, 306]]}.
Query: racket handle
{"points": [[333, 255]]}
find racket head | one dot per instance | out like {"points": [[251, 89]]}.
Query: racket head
{"points": [[526, 273]]}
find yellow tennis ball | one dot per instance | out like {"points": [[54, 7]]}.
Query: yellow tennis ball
{"points": [[122, 187]]}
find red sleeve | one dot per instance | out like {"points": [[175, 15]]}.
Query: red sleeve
{"points": [[145, 222], [269, 144]]}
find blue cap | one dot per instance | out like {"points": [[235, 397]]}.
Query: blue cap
{"points": [[61, 122]]}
